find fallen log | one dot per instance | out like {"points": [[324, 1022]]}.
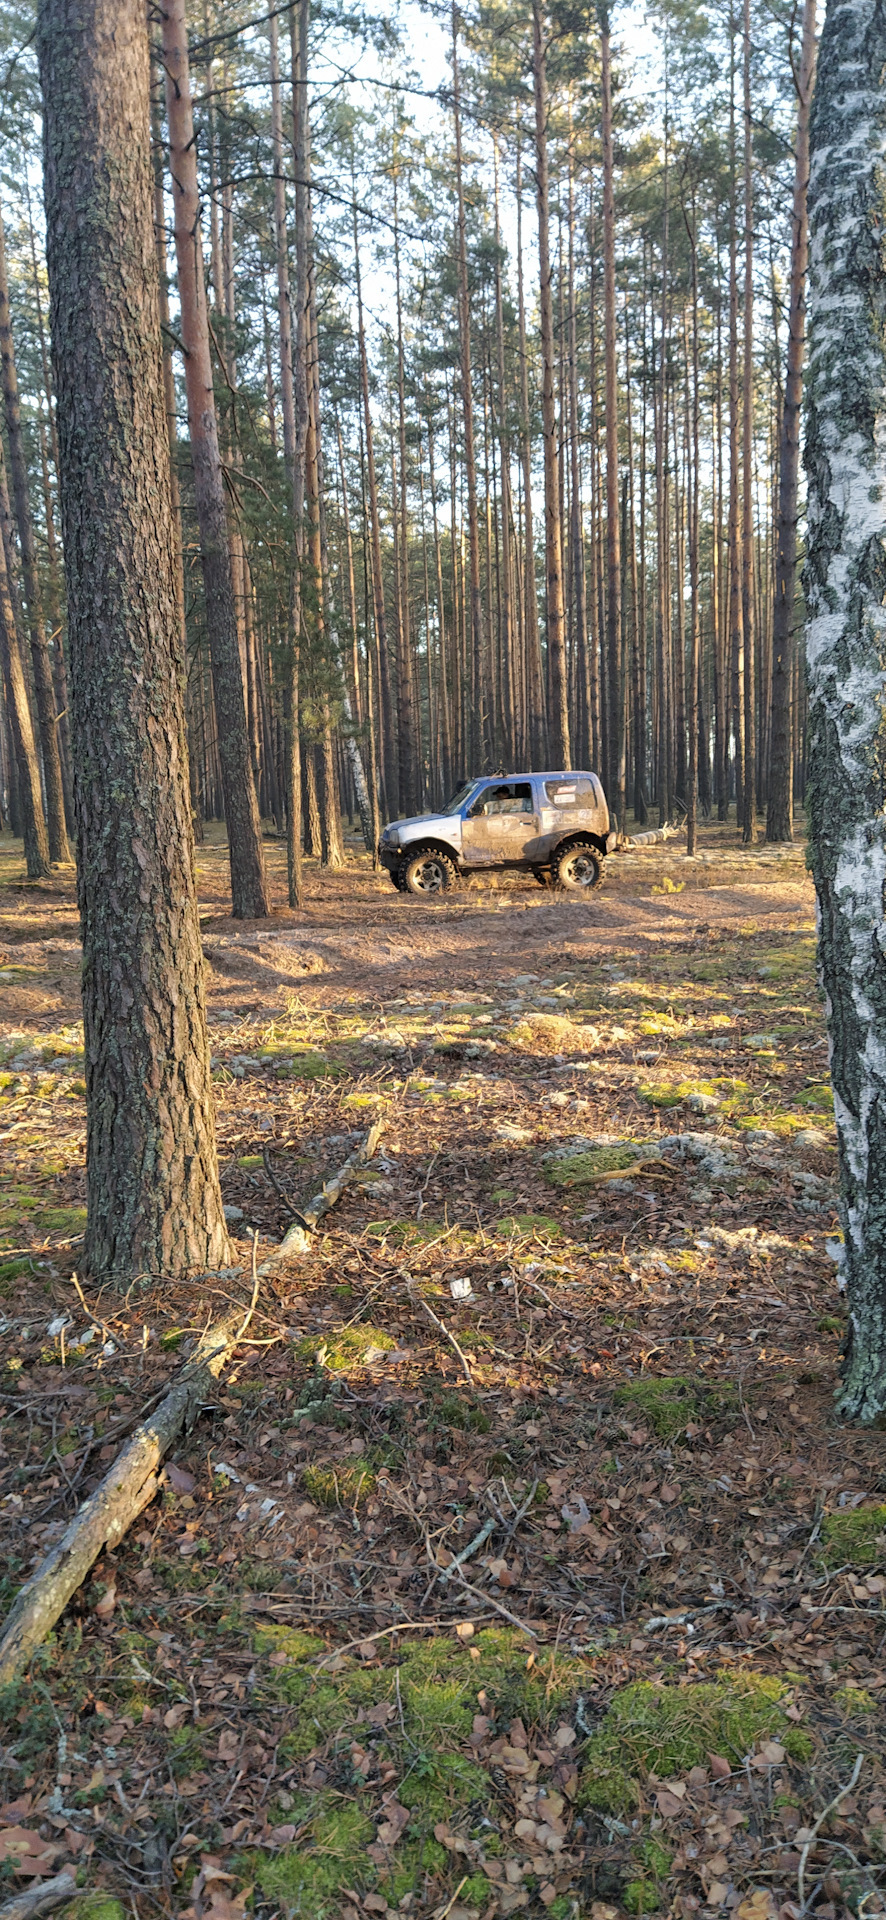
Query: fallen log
{"points": [[127, 1488], [297, 1238], [132, 1482], [40, 1897], [652, 838]]}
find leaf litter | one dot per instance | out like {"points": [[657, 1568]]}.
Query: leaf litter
{"points": [[590, 1625]]}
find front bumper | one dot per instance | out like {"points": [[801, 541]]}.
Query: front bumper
{"points": [[388, 855]]}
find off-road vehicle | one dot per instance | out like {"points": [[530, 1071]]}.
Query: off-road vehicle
{"points": [[553, 825]]}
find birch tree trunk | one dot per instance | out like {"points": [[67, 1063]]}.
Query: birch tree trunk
{"points": [[846, 644], [248, 887], [154, 1201], [780, 810], [558, 711]]}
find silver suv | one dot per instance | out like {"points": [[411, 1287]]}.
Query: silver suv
{"points": [[554, 825]]}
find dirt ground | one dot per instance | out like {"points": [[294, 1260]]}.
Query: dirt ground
{"points": [[520, 1563]]}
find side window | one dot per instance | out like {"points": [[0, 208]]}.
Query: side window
{"points": [[578, 795], [514, 797]]}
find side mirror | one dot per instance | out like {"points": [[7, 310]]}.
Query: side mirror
{"points": [[475, 811]]}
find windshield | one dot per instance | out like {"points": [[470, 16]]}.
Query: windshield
{"points": [[461, 795]]}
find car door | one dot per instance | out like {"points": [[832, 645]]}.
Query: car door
{"points": [[500, 825]]}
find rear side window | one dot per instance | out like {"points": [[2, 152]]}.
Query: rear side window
{"points": [[580, 795]]}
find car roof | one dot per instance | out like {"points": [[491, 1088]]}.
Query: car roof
{"points": [[552, 773]]}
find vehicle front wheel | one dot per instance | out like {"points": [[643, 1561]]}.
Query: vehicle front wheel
{"points": [[394, 877], [577, 868], [426, 872]]}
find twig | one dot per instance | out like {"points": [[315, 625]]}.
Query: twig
{"points": [[277, 1185], [445, 1911], [499, 1608], [472, 1547], [400, 1626], [252, 1303], [297, 1238], [418, 1299], [814, 1831]]}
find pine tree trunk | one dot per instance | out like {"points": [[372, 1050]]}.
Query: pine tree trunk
{"points": [[558, 714], [846, 427], [693, 703], [617, 742], [248, 886], [293, 455], [407, 745], [748, 611], [779, 817], [154, 1201], [59, 849], [736, 610], [477, 647], [536, 721], [18, 709]]}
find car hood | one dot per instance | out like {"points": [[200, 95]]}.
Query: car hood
{"points": [[442, 822]]}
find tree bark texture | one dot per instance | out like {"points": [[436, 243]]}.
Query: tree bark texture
{"points": [[780, 809], [45, 692], [248, 886], [558, 710], [154, 1201], [18, 709], [845, 581], [614, 647]]}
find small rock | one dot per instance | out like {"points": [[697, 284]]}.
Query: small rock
{"points": [[509, 1132], [701, 1103], [233, 1214], [811, 1140], [760, 1136], [761, 1042]]}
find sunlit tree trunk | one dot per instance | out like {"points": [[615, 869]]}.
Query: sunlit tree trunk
{"points": [[59, 848], [18, 707], [613, 554], [154, 1201], [555, 611], [748, 611], [248, 887], [779, 817], [846, 647], [294, 458]]}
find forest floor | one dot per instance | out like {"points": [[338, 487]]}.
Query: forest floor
{"points": [[608, 1169]]}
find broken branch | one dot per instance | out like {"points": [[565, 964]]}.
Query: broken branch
{"points": [[40, 1897], [297, 1238], [127, 1488]]}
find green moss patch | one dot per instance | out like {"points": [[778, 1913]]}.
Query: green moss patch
{"points": [[855, 1539], [346, 1484], [331, 1853], [667, 1730], [579, 1169], [667, 1404], [525, 1226], [344, 1347]]}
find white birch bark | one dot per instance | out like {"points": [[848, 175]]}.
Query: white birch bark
{"points": [[845, 582]]}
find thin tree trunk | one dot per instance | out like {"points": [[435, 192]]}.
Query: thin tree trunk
{"points": [[617, 742], [248, 886], [537, 749], [59, 849], [154, 1200], [736, 609], [477, 650], [748, 611], [18, 710], [779, 817], [558, 717], [293, 454], [693, 704]]}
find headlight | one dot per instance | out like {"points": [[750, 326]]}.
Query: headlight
{"points": [[391, 837]]}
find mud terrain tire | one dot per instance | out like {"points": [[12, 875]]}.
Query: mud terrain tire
{"points": [[577, 867], [427, 872]]}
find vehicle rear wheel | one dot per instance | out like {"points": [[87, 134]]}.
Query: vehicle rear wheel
{"points": [[577, 867], [427, 872]]}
